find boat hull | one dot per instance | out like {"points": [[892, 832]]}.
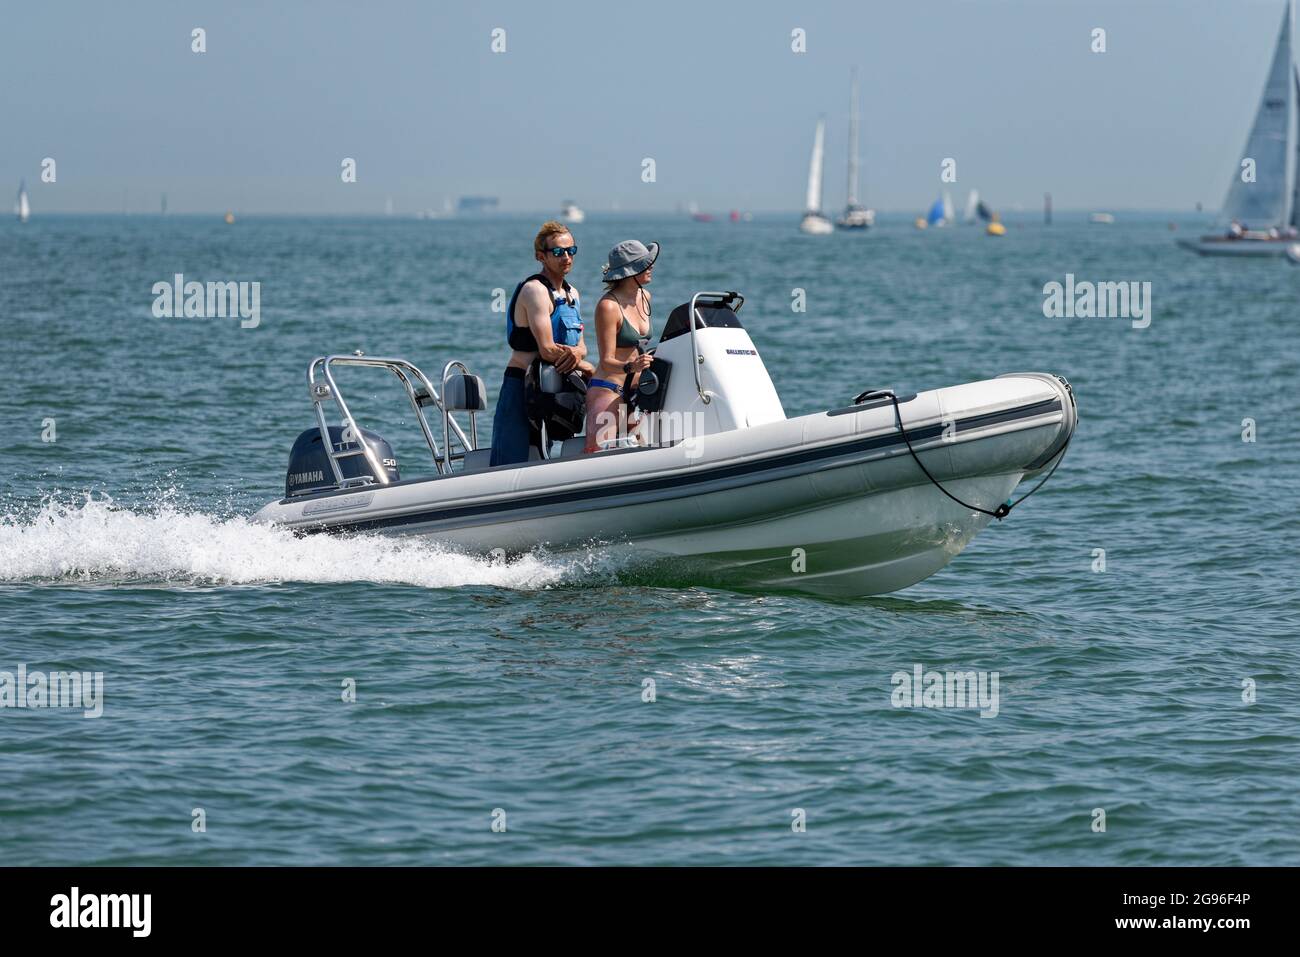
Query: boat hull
{"points": [[815, 224], [856, 217], [1221, 246], [831, 504]]}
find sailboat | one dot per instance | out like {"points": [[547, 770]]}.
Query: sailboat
{"points": [[940, 214], [855, 215], [994, 225], [813, 221], [1263, 215], [972, 207], [23, 208]]}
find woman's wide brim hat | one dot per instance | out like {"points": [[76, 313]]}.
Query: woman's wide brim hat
{"points": [[629, 258]]}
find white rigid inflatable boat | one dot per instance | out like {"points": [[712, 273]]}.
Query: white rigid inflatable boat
{"points": [[727, 491]]}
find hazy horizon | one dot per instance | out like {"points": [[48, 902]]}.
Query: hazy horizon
{"points": [[261, 122]]}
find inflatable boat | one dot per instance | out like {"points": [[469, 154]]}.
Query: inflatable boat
{"points": [[867, 497]]}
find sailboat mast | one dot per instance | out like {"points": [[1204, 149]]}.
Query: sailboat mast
{"points": [[853, 140]]}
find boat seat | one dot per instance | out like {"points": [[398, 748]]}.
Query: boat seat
{"points": [[572, 448], [477, 459], [464, 393]]}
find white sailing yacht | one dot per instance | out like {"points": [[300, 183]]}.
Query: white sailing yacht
{"points": [[1262, 215], [813, 221], [23, 208], [972, 207], [855, 215]]}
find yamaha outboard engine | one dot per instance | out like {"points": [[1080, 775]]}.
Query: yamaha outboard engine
{"points": [[309, 464]]}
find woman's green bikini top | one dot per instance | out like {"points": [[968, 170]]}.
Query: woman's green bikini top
{"points": [[627, 334]]}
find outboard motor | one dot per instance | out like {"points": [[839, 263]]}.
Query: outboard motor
{"points": [[309, 464]]}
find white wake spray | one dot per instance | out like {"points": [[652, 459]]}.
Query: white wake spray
{"points": [[95, 541]]}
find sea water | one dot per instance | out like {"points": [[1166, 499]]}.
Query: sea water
{"points": [[275, 700]]}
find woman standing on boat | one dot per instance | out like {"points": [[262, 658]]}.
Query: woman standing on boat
{"points": [[622, 335]]}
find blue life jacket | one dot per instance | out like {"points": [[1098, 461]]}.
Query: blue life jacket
{"points": [[566, 323]]}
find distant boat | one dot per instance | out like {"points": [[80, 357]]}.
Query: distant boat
{"points": [[972, 206], [935, 216], [1263, 215], [570, 213], [472, 205], [694, 209], [940, 214], [813, 222], [855, 216], [1104, 218], [431, 213], [230, 218], [22, 208]]}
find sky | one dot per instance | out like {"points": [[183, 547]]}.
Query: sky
{"points": [[585, 92]]}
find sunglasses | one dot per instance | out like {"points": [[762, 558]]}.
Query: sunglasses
{"points": [[558, 251]]}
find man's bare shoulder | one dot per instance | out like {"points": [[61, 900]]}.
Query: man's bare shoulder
{"points": [[535, 295]]}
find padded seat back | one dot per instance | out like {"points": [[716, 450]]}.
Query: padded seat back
{"points": [[464, 393]]}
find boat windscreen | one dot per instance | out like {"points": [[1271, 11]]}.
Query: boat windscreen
{"points": [[714, 317]]}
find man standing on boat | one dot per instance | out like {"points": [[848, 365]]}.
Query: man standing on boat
{"points": [[543, 318]]}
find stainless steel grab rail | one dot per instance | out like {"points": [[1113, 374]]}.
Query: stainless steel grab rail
{"points": [[696, 360], [419, 390], [447, 419]]}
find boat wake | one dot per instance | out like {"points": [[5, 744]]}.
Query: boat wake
{"points": [[95, 541]]}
